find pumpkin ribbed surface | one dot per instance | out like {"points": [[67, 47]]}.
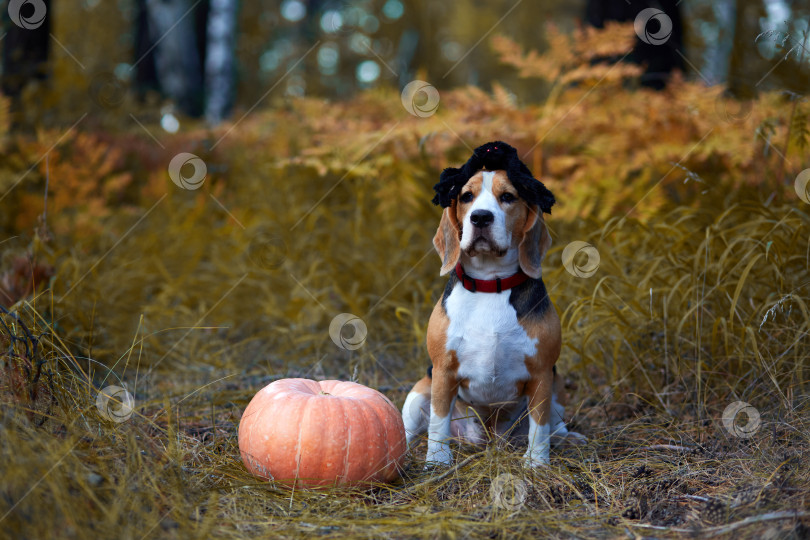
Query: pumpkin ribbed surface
{"points": [[321, 433]]}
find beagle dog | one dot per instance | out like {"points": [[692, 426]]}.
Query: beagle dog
{"points": [[494, 336]]}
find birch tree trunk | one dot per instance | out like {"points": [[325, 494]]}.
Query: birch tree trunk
{"points": [[219, 60]]}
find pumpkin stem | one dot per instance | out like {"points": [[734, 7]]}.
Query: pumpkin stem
{"points": [[325, 393]]}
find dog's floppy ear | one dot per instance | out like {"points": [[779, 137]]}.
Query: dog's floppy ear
{"points": [[446, 241], [534, 244]]}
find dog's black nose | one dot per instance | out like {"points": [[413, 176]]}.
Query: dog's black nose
{"points": [[482, 218]]}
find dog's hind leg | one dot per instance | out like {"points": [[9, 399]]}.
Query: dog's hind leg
{"points": [[416, 410], [559, 432]]}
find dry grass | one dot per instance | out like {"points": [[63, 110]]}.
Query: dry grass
{"points": [[699, 305]]}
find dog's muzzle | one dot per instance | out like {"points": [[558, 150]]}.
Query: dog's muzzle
{"points": [[482, 219]]}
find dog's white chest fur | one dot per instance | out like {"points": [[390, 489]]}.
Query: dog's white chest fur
{"points": [[490, 344]]}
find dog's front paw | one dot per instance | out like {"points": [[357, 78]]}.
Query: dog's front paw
{"points": [[536, 459], [438, 454], [534, 462]]}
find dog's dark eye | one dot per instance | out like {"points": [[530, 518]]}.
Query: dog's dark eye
{"points": [[508, 197], [466, 197]]}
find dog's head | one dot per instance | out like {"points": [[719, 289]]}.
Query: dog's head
{"points": [[492, 204]]}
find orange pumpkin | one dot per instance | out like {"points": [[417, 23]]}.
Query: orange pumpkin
{"points": [[322, 433]]}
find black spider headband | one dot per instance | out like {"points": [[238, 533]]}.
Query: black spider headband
{"points": [[493, 156]]}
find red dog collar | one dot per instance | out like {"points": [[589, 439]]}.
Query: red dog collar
{"points": [[489, 285]]}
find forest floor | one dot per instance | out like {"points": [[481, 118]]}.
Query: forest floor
{"points": [[192, 298]]}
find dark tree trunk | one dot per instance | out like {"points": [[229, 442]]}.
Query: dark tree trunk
{"points": [[744, 51], [171, 47], [660, 60], [25, 50], [145, 74]]}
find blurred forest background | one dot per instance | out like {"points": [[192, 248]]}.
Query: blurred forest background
{"points": [[226, 54], [677, 149]]}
